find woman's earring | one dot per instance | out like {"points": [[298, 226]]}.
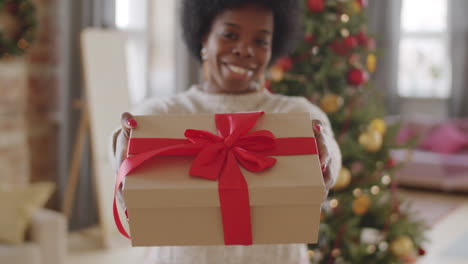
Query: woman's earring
{"points": [[203, 53]]}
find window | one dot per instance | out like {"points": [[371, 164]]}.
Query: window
{"points": [[424, 66], [151, 49], [131, 17]]}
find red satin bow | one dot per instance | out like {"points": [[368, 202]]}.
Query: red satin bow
{"points": [[218, 158]]}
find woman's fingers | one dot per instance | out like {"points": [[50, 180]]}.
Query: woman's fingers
{"points": [[324, 154], [323, 150], [127, 122]]}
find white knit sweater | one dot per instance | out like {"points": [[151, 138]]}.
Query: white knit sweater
{"points": [[196, 101]]}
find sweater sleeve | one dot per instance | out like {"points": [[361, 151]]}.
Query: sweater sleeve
{"points": [[302, 105]]}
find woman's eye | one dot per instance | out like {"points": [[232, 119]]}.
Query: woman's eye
{"points": [[262, 42], [229, 35]]}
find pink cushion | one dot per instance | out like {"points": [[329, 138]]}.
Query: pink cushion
{"points": [[445, 138]]}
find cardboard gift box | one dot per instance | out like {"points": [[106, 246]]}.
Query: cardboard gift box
{"points": [[280, 201]]}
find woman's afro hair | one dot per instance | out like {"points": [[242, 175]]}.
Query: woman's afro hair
{"points": [[198, 15]]}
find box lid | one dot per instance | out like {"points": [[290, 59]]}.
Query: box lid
{"points": [[165, 182]]}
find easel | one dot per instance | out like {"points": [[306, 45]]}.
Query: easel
{"points": [[77, 157], [105, 73]]}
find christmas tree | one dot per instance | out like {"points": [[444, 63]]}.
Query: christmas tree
{"points": [[362, 219]]}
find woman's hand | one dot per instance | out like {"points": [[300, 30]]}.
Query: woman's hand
{"points": [[324, 154], [127, 122]]}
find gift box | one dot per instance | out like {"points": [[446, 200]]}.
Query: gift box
{"points": [[224, 179], [431, 170], [439, 160]]}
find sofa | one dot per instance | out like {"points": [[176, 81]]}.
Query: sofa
{"points": [[47, 242]]}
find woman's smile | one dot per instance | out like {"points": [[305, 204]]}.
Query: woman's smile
{"points": [[231, 71]]}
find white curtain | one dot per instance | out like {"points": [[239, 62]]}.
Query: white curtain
{"points": [[458, 26], [384, 22]]}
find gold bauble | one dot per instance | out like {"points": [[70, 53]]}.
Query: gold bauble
{"points": [[343, 180], [361, 204], [276, 73], [402, 247], [330, 103], [379, 125], [371, 140], [355, 6], [371, 62]]}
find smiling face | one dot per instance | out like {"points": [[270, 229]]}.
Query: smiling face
{"points": [[238, 49]]}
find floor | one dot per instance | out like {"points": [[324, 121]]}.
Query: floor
{"points": [[447, 215]]}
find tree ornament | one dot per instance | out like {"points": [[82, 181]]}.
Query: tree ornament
{"points": [[371, 236], [343, 180], [334, 203], [361, 204], [330, 103], [371, 140], [371, 62], [276, 73], [362, 39], [350, 42], [285, 63], [391, 163], [355, 6], [309, 38], [386, 179], [338, 47], [362, 3], [356, 77], [378, 125], [402, 247], [316, 6], [421, 252]]}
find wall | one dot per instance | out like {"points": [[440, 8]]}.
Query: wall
{"points": [[28, 106]]}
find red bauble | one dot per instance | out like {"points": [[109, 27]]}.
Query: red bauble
{"points": [[356, 77], [285, 63], [350, 42], [309, 38], [339, 48], [316, 5], [421, 252], [391, 163], [362, 38], [362, 3]]}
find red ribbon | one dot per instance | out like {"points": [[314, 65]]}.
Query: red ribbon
{"points": [[218, 158]]}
